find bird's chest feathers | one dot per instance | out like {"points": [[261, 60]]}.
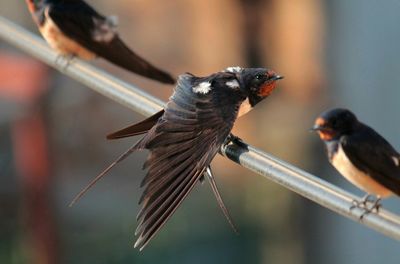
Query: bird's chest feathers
{"points": [[244, 108], [60, 42], [357, 177]]}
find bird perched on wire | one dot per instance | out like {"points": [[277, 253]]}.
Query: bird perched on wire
{"points": [[184, 138], [361, 155], [73, 28]]}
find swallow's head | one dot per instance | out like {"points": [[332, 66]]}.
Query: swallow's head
{"points": [[333, 124], [255, 83]]}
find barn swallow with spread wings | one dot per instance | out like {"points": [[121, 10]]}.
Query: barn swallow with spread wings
{"points": [[361, 155], [184, 138], [73, 28]]}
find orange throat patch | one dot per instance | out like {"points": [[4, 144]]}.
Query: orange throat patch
{"points": [[267, 89], [326, 135]]}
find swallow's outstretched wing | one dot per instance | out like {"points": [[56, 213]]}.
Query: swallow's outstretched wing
{"points": [[372, 154], [186, 137], [97, 33], [182, 145]]}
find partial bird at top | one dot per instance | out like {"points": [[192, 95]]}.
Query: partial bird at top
{"points": [[73, 28]]}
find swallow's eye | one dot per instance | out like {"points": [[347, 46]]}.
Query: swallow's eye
{"points": [[260, 76]]}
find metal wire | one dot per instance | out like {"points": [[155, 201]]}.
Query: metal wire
{"points": [[291, 177]]}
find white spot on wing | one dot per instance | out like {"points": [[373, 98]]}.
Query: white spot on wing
{"points": [[105, 30], [112, 21], [232, 84], [202, 88], [235, 69], [396, 161]]}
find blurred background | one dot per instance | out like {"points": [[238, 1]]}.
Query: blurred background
{"points": [[52, 134]]}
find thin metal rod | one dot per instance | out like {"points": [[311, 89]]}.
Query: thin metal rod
{"points": [[291, 177]]}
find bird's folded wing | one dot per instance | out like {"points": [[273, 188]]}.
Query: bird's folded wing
{"points": [[98, 34], [373, 155], [76, 20]]}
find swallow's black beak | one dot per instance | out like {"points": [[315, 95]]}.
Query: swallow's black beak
{"points": [[276, 77], [316, 128], [322, 128], [320, 124]]}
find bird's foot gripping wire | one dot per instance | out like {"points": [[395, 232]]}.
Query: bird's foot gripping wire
{"points": [[235, 140], [375, 204], [363, 202], [64, 58]]}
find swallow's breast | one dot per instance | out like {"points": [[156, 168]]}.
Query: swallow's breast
{"points": [[60, 42], [357, 177], [244, 108]]}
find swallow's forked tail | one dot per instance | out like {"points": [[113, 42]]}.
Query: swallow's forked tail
{"points": [[218, 196], [135, 147], [133, 130]]}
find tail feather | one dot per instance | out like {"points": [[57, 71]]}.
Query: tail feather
{"points": [[138, 128], [135, 147], [218, 196], [118, 53]]}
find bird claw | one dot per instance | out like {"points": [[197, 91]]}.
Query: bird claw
{"points": [[374, 208], [68, 58], [363, 204], [235, 140], [355, 204]]}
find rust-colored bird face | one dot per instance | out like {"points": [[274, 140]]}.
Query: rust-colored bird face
{"points": [[270, 83], [258, 83], [332, 124], [324, 131]]}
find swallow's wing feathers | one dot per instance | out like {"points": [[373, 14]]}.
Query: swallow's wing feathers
{"points": [[372, 154], [182, 145], [77, 20], [138, 128], [98, 33]]}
